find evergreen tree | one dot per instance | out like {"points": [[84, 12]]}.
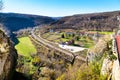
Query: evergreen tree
{"points": [[62, 36]]}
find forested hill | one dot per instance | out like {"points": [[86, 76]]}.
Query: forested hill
{"points": [[101, 21], [15, 21]]}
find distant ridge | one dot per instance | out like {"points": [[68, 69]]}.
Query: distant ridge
{"points": [[16, 21], [104, 21]]}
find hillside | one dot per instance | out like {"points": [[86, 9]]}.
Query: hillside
{"points": [[15, 21], [105, 21]]}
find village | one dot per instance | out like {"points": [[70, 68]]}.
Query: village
{"points": [[73, 40]]}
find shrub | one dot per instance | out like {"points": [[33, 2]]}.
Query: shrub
{"points": [[84, 72], [36, 60]]}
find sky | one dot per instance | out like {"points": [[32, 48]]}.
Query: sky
{"points": [[59, 8]]}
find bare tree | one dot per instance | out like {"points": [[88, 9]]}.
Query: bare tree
{"points": [[1, 7], [1, 4]]}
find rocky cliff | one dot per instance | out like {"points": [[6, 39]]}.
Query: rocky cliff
{"points": [[8, 57], [116, 70]]}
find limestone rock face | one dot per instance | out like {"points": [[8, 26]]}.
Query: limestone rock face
{"points": [[8, 57], [106, 67], [116, 71]]}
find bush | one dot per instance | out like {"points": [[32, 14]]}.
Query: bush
{"points": [[36, 60], [84, 72]]}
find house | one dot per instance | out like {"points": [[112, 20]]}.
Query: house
{"points": [[70, 42], [51, 30], [81, 33]]}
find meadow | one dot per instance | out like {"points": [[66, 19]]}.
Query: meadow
{"points": [[25, 47]]}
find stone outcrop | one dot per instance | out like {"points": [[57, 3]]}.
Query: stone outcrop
{"points": [[8, 57], [116, 70], [99, 49], [106, 67]]}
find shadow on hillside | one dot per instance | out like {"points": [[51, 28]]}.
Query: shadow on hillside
{"points": [[14, 39], [20, 76], [77, 45]]}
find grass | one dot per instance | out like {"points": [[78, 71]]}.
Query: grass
{"points": [[52, 36], [105, 33], [25, 47], [87, 43]]}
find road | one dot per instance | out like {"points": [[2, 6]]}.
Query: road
{"points": [[47, 43]]}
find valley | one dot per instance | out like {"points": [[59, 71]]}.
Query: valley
{"points": [[62, 49], [52, 57]]}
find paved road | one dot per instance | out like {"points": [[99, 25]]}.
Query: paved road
{"points": [[47, 43]]}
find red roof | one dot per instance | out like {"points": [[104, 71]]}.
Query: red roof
{"points": [[118, 43]]}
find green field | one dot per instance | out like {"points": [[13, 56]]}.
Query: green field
{"points": [[106, 33], [103, 32], [25, 47]]}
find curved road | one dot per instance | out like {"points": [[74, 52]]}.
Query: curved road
{"points": [[47, 43]]}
